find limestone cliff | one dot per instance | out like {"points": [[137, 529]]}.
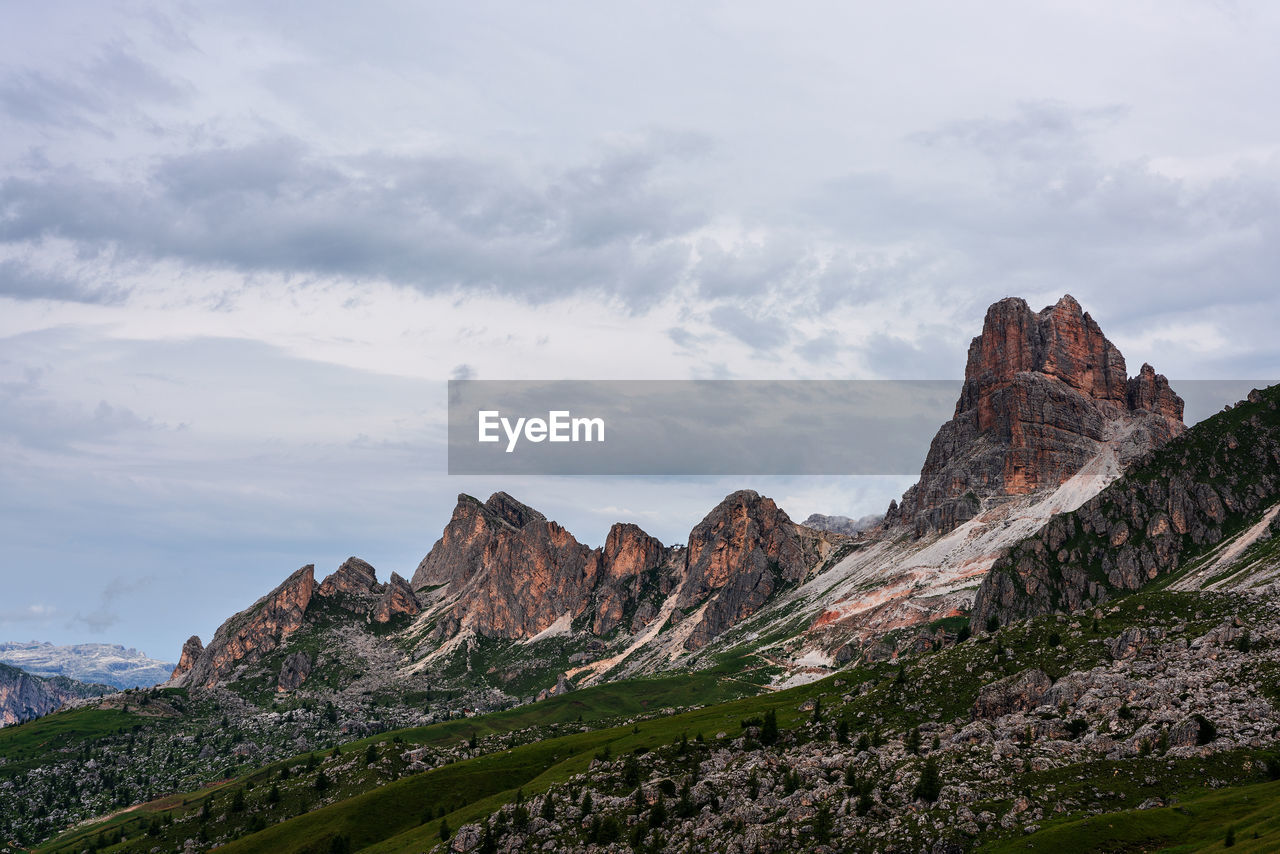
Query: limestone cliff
{"points": [[1042, 392]]}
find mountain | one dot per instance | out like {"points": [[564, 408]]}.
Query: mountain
{"points": [[108, 664], [24, 696], [1046, 419], [1044, 394], [505, 585], [1201, 513], [507, 600]]}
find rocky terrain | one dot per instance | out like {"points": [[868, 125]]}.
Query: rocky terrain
{"points": [[100, 663], [24, 696], [1219, 481]]}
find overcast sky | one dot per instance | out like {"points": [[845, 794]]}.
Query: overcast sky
{"points": [[242, 246]]}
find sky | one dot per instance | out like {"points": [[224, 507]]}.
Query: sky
{"points": [[243, 246]]}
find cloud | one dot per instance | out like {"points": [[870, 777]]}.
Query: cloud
{"points": [[87, 95], [761, 333], [106, 615], [20, 280], [36, 613], [436, 223]]}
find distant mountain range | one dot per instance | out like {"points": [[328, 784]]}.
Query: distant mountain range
{"points": [[107, 664], [24, 696]]}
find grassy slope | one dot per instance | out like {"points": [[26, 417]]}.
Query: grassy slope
{"points": [[1196, 825], [24, 745], [464, 782]]}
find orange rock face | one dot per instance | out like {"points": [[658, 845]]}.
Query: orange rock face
{"points": [[629, 557], [1042, 393], [191, 651], [397, 600], [253, 633], [738, 557]]}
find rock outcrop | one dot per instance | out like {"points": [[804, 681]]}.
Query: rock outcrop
{"points": [[251, 634], [738, 557], [1042, 393], [629, 559], [511, 572], [191, 652], [398, 600], [1214, 481], [506, 571], [294, 671], [354, 577]]}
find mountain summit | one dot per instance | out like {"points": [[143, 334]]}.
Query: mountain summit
{"points": [[1043, 392]]}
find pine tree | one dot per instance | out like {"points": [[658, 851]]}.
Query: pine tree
{"points": [[822, 825], [930, 783], [769, 729], [658, 815]]}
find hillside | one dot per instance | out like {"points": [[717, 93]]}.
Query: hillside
{"points": [[1199, 513]]}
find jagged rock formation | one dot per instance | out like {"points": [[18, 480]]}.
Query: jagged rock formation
{"points": [[397, 600], [628, 559], [355, 577], [1042, 392], [738, 557], [191, 652], [252, 633], [294, 671], [24, 696], [1219, 480], [95, 663], [505, 571], [511, 572]]}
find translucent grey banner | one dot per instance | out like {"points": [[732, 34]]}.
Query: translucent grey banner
{"points": [[713, 427], [718, 427]]}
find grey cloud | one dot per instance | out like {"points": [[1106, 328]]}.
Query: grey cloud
{"points": [[32, 418], [21, 281], [106, 615], [682, 337], [434, 223], [760, 333], [820, 348], [86, 95]]}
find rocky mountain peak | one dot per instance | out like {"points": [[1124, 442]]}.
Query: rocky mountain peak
{"points": [[355, 576], [511, 511], [742, 552], [254, 632], [1044, 392]]}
